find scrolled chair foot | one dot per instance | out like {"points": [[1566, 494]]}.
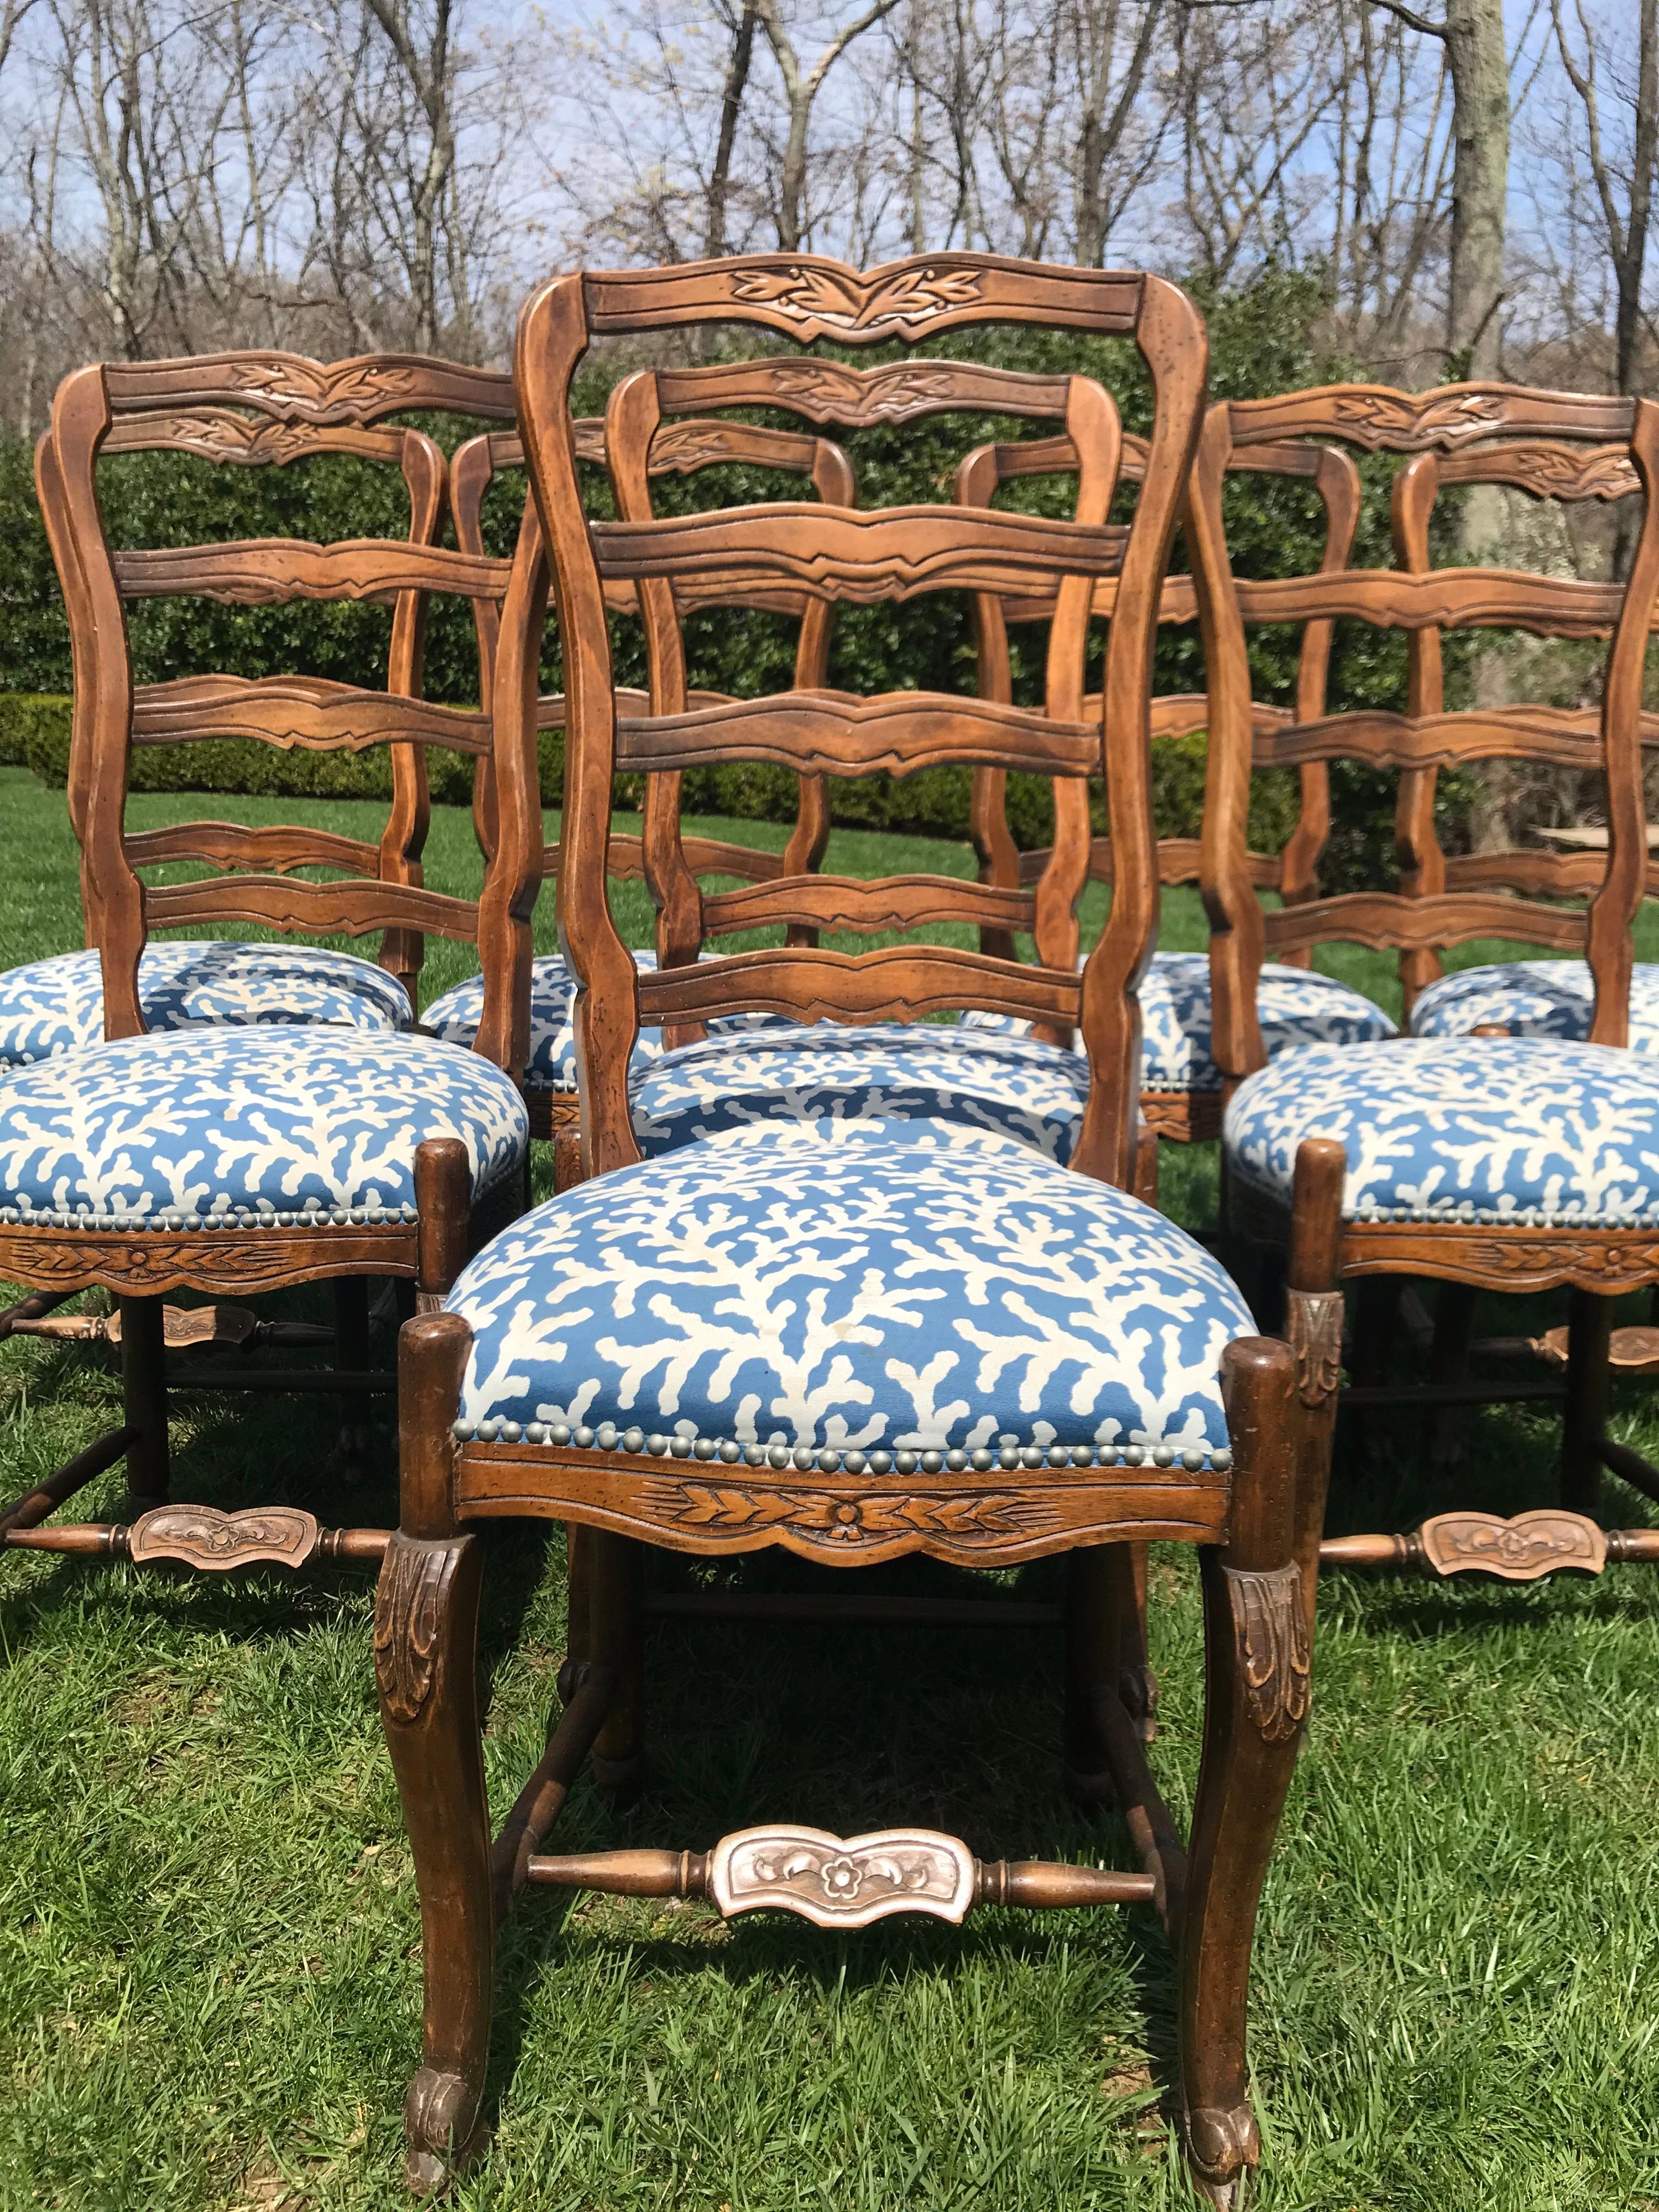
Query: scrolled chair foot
{"points": [[442, 2130], [1223, 2146]]}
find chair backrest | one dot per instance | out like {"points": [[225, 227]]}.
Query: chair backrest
{"points": [[1291, 873], [1470, 433], [864, 558], [1543, 470], [679, 448], [249, 408]]}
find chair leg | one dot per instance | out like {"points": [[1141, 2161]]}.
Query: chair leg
{"points": [[351, 1354], [577, 1640], [1257, 1647], [1448, 1362], [1590, 1325], [1137, 1685], [144, 1397], [426, 1633], [610, 1568]]}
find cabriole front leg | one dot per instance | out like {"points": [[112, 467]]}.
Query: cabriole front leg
{"points": [[1257, 1642], [426, 1625]]}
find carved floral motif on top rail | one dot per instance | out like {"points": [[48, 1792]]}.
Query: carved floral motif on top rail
{"points": [[823, 299]]}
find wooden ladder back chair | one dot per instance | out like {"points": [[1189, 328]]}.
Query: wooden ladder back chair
{"points": [[877, 1441], [246, 1155], [1181, 1086], [682, 448], [244, 410], [1476, 1161]]}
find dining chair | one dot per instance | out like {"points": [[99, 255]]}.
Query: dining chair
{"points": [[234, 1158], [855, 1340], [682, 447], [269, 411], [1181, 1083], [1485, 1164]]}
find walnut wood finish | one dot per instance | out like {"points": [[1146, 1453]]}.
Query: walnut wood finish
{"points": [[679, 448], [861, 551], [1531, 440], [1552, 446], [181, 406], [612, 1500], [291, 410], [1183, 1116]]}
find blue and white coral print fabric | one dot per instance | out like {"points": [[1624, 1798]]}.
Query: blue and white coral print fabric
{"points": [[796, 1072], [552, 1062], [870, 1297], [1535, 1131], [1532, 997], [1295, 1006], [208, 1124], [57, 1005]]}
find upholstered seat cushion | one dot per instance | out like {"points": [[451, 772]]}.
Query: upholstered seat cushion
{"points": [[206, 1123], [57, 1005], [1531, 998], [869, 1296], [925, 1071], [1295, 1006], [1531, 1130], [552, 1062]]}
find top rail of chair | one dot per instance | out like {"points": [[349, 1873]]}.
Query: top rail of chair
{"points": [[295, 389]]}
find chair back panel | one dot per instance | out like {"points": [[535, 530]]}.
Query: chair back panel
{"points": [[1462, 435], [291, 410], [867, 556], [1291, 873]]}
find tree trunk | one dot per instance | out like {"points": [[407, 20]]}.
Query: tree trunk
{"points": [[715, 241], [1480, 175]]}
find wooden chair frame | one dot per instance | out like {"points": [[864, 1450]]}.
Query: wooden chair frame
{"points": [[174, 404], [1550, 444], [1184, 1117], [454, 1478]]}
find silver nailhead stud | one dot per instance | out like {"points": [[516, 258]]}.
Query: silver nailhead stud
{"points": [[881, 1462], [605, 1436], [1162, 1455], [855, 1463], [1083, 1455], [1031, 1455], [777, 1455], [656, 1444], [679, 1447], [828, 1462], [1133, 1456], [559, 1433], [731, 1453], [466, 1430], [633, 1440], [905, 1461], [805, 1456], [535, 1432], [1008, 1456], [1192, 1461], [956, 1460], [1058, 1455], [510, 1432], [753, 1455], [1222, 1461], [704, 1447]]}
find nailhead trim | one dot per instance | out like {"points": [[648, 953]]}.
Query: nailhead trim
{"points": [[312, 1214], [1464, 1212], [829, 1459]]}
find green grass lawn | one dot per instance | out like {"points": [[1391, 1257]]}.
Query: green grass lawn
{"points": [[209, 1986]]}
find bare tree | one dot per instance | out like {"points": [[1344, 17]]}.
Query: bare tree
{"points": [[801, 88], [1626, 243]]}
